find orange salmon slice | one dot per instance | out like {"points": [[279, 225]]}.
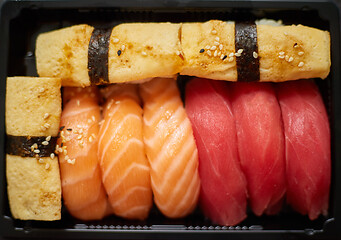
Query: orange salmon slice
{"points": [[125, 169], [170, 148]]}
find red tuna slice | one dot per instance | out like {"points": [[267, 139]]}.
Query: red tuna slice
{"points": [[307, 140], [223, 185], [260, 144]]}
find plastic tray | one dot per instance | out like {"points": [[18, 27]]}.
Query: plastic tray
{"points": [[22, 21]]}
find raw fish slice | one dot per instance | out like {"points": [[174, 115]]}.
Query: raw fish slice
{"points": [[83, 192], [307, 140], [170, 148], [223, 185], [260, 144], [125, 169]]}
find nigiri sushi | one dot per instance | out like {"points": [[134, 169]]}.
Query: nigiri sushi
{"points": [[125, 168], [83, 192], [260, 140], [307, 147], [223, 184], [170, 148]]}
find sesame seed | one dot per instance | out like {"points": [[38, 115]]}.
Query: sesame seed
{"points": [[301, 64], [43, 128], [123, 47], [52, 155], [115, 40], [209, 53], [300, 53], [255, 55], [281, 56], [90, 139], [222, 56], [36, 151], [71, 161], [48, 138], [216, 43], [291, 59], [178, 52], [217, 39], [60, 150], [221, 46], [79, 137], [41, 160], [202, 50], [144, 53], [237, 54], [207, 47], [46, 115], [45, 143], [219, 53], [286, 58], [240, 51], [47, 166], [281, 53], [41, 89], [47, 125], [215, 53], [231, 59], [67, 157], [213, 48], [231, 54], [119, 52], [214, 32]]}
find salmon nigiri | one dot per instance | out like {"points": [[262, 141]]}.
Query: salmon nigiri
{"points": [[83, 191], [170, 148], [125, 169]]}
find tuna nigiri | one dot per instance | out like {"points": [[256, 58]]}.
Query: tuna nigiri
{"points": [[223, 185], [170, 148], [260, 144], [82, 188], [125, 168], [307, 142]]}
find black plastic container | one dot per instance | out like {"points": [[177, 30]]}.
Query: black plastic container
{"points": [[22, 21]]}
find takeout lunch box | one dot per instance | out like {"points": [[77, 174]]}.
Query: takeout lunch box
{"points": [[22, 21]]}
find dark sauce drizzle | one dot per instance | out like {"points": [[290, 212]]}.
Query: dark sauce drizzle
{"points": [[21, 146], [98, 53], [246, 39]]}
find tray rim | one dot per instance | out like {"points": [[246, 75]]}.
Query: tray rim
{"points": [[11, 8]]}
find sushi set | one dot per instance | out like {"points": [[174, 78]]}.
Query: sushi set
{"points": [[170, 120]]}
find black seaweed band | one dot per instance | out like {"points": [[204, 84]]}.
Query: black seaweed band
{"points": [[248, 61], [98, 53], [24, 146]]}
